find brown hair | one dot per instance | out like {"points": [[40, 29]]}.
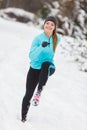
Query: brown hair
{"points": [[55, 39]]}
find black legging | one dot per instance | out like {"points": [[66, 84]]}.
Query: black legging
{"points": [[34, 77]]}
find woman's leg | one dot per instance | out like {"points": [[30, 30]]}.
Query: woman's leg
{"points": [[31, 83], [43, 77], [45, 72]]}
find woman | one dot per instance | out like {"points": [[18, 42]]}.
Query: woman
{"points": [[41, 63]]}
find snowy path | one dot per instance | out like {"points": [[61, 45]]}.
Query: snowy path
{"points": [[63, 104]]}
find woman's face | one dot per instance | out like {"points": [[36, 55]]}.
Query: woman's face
{"points": [[49, 27]]}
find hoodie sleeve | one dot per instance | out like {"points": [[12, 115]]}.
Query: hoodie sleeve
{"points": [[59, 39], [35, 49]]}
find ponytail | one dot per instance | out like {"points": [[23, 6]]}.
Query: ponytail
{"points": [[55, 40]]}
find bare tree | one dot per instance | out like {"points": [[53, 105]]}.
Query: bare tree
{"points": [[7, 3], [4, 3]]}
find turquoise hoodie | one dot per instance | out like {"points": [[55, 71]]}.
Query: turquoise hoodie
{"points": [[39, 54]]}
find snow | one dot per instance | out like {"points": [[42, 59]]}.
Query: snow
{"points": [[16, 12], [63, 103]]}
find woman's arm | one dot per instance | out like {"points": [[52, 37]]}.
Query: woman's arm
{"points": [[36, 48]]}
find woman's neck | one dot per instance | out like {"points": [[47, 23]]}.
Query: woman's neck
{"points": [[48, 34]]}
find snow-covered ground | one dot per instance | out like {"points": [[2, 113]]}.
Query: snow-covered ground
{"points": [[63, 104]]}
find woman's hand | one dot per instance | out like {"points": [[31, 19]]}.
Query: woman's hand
{"points": [[45, 44]]}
